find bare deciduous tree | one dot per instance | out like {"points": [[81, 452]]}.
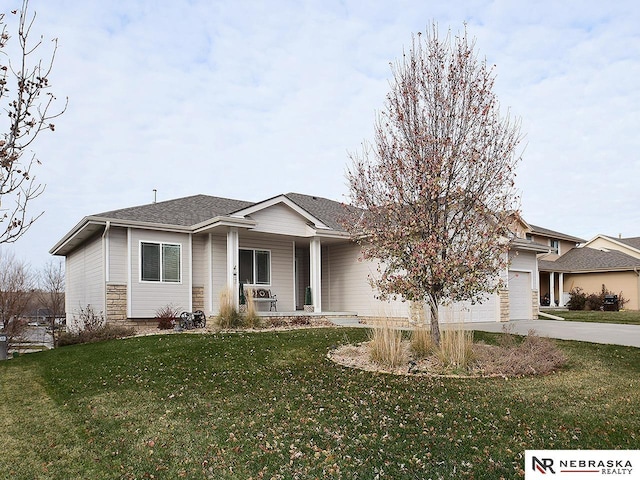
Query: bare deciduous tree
{"points": [[24, 95], [16, 290], [436, 189], [51, 294]]}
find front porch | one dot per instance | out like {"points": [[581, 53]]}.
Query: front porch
{"points": [[552, 290]]}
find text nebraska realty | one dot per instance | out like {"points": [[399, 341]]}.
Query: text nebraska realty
{"points": [[605, 467]]}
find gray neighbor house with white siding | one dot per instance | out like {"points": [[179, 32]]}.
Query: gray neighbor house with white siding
{"points": [[129, 263]]}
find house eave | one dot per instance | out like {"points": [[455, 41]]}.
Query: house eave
{"points": [[224, 221], [85, 229], [527, 245], [88, 226]]}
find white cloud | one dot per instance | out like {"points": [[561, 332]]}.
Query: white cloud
{"points": [[248, 99]]}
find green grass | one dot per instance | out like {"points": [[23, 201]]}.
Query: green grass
{"points": [[631, 317], [270, 405]]}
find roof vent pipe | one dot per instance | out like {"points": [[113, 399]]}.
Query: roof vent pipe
{"points": [[155, 195]]}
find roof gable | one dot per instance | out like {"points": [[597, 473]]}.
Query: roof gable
{"points": [[321, 212], [630, 246]]}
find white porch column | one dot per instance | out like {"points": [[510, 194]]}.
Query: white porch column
{"points": [[232, 263], [552, 289], [561, 289], [315, 273]]}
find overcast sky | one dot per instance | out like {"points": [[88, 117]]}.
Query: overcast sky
{"points": [[250, 99]]}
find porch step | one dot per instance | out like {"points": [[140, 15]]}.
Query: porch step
{"points": [[346, 321]]}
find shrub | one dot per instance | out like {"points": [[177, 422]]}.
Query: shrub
{"points": [[386, 347], [577, 299], [532, 356], [89, 320], [422, 344], [166, 316], [105, 332], [228, 315]]}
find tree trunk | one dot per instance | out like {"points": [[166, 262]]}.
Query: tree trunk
{"points": [[435, 324]]}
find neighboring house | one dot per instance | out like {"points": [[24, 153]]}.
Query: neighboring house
{"points": [[552, 281], [128, 263], [603, 260]]}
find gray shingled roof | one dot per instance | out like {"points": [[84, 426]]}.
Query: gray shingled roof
{"points": [[552, 233], [189, 211], [185, 211], [590, 259], [631, 241], [328, 211]]}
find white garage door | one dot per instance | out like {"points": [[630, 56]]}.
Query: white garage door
{"points": [[520, 295], [459, 312]]}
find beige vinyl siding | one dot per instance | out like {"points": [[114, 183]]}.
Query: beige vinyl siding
{"points": [[563, 245], [346, 289], [219, 270], [84, 279], [523, 261], [302, 258], [117, 255], [199, 249], [281, 269], [148, 297], [345, 279], [280, 219], [325, 280]]}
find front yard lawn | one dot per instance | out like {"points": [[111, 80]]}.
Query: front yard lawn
{"points": [[271, 405], [631, 317]]}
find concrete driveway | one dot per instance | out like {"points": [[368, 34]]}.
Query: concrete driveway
{"points": [[608, 333]]}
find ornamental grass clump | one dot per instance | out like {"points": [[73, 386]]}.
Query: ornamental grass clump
{"points": [[228, 316], [251, 318], [386, 347], [422, 344], [456, 348]]}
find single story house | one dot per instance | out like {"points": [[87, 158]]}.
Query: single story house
{"points": [[129, 263], [603, 260]]}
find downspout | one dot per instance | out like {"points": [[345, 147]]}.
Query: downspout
{"points": [[105, 263]]}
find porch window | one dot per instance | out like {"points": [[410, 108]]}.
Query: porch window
{"points": [[255, 266], [160, 262]]}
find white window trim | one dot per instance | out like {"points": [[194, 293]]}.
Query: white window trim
{"points": [[255, 273], [161, 281]]}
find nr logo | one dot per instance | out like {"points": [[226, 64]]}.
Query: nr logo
{"points": [[542, 465]]}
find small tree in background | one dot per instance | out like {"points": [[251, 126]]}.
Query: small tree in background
{"points": [[435, 191], [24, 96], [16, 289], [51, 294]]}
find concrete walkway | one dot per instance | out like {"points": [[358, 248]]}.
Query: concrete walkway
{"points": [[608, 333]]}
